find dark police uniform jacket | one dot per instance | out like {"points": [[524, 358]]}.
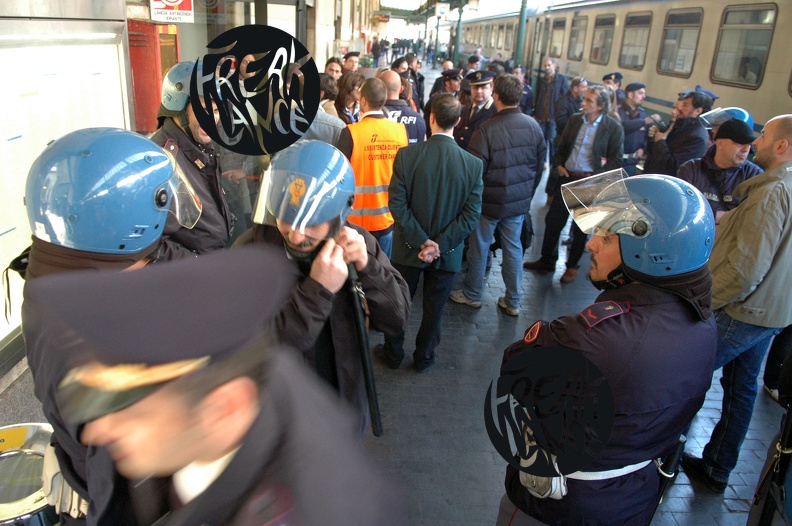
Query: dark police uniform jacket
{"points": [[300, 464], [315, 318], [202, 168], [469, 122], [657, 355]]}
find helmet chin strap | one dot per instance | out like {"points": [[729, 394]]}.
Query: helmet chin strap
{"points": [[616, 278]]}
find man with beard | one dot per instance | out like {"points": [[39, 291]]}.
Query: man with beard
{"points": [[181, 135], [310, 191], [649, 251], [750, 270], [686, 139]]}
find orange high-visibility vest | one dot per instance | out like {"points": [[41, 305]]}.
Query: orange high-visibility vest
{"points": [[374, 146]]}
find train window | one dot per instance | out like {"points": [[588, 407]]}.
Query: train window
{"points": [[680, 39], [466, 36], [635, 41], [501, 30], [743, 44], [603, 39], [557, 37], [509, 37], [577, 38]]}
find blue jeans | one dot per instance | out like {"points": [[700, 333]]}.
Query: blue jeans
{"points": [[741, 349], [510, 229], [386, 243]]}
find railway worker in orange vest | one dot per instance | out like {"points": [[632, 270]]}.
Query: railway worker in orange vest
{"points": [[371, 146]]}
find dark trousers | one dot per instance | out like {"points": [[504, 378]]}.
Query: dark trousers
{"points": [[555, 220], [437, 287]]}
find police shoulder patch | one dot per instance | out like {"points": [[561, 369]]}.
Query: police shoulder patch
{"points": [[533, 333], [598, 312]]}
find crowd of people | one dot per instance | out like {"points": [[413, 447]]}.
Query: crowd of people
{"points": [[175, 394]]}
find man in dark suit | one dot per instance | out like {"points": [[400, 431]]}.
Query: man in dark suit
{"points": [[481, 107], [435, 199]]}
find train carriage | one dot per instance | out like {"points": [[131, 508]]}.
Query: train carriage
{"points": [[738, 50]]}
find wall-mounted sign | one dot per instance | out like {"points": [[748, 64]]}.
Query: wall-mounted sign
{"points": [[172, 11], [442, 9]]}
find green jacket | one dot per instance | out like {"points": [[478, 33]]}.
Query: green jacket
{"points": [[435, 193]]}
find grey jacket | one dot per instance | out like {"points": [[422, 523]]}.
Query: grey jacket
{"points": [[752, 255]]}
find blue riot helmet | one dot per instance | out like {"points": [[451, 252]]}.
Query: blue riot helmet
{"points": [[176, 90], [666, 226], [714, 118], [106, 190], [307, 184]]}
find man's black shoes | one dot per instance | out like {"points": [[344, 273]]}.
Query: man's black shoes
{"points": [[696, 470], [391, 361]]}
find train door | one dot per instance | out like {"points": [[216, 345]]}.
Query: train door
{"points": [[538, 46]]}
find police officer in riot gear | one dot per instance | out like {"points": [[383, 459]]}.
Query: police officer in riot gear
{"points": [[96, 199], [181, 135], [651, 333], [306, 197]]}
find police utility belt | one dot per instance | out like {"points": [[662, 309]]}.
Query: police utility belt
{"points": [[556, 487], [633, 155]]}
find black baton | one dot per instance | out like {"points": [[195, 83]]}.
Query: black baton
{"points": [[368, 370]]}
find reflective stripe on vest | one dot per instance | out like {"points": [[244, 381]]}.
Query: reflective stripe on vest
{"points": [[374, 146]]}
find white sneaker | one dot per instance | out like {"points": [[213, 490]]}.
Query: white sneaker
{"points": [[511, 311], [458, 296]]}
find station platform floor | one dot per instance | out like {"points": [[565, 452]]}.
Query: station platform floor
{"points": [[435, 443]]}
